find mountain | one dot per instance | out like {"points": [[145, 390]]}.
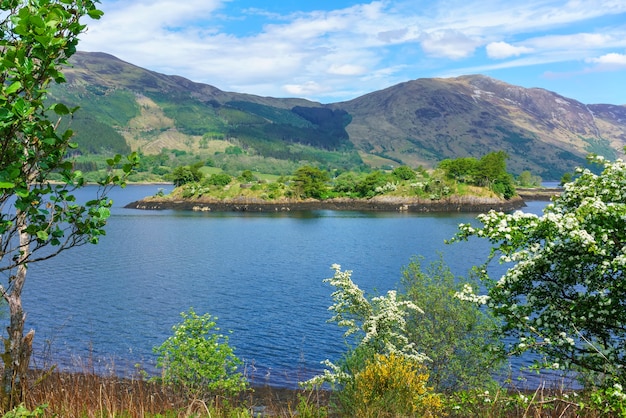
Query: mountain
{"points": [[418, 122], [426, 120]]}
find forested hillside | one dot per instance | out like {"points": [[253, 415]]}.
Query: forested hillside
{"points": [[173, 121]]}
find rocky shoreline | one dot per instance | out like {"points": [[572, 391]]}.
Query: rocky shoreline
{"points": [[377, 204], [544, 194]]}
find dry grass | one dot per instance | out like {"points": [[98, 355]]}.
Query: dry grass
{"points": [[90, 395]]}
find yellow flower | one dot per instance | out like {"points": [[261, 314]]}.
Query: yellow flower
{"points": [[394, 384]]}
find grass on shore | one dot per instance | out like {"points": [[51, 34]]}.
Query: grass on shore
{"points": [[90, 395]]}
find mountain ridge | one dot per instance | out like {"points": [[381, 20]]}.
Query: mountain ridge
{"points": [[417, 122]]}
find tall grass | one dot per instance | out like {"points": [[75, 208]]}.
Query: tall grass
{"points": [[87, 394]]}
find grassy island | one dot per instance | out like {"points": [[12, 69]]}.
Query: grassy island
{"points": [[465, 184]]}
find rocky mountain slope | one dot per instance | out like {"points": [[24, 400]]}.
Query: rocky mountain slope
{"points": [[426, 120], [418, 122]]}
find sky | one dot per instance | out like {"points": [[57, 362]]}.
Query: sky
{"points": [[337, 50]]}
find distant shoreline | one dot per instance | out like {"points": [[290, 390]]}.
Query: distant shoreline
{"points": [[376, 204], [544, 194]]}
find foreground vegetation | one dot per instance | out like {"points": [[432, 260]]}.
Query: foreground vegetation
{"points": [[90, 395]]}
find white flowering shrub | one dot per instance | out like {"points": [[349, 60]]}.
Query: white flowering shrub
{"points": [[388, 187], [378, 326], [610, 400], [565, 294]]}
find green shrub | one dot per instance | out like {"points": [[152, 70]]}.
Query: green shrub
{"points": [[246, 176], [219, 179], [459, 338], [198, 360], [609, 400], [22, 412], [404, 173]]}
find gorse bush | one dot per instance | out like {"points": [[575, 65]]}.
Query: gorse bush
{"points": [[392, 385], [198, 360], [377, 328]]}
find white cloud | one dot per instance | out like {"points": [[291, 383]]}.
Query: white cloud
{"points": [[448, 43], [358, 48], [500, 50], [574, 41], [346, 69], [609, 62], [307, 89]]}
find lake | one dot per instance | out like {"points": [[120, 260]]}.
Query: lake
{"points": [[104, 307]]}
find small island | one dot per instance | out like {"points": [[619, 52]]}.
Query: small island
{"points": [[460, 185], [378, 203]]}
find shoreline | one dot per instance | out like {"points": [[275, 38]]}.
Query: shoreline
{"points": [[542, 194], [376, 204]]}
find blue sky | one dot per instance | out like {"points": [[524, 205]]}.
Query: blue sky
{"points": [[335, 50]]}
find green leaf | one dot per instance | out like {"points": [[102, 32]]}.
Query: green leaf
{"points": [[42, 235], [5, 114], [6, 185], [95, 14], [61, 109], [104, 213], [13, 88]]}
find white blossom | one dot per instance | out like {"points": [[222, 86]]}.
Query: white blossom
{"points": [[379, 321], [576, 252]]}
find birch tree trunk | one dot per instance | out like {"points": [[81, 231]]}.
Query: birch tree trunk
{"points": [[17, 347]]}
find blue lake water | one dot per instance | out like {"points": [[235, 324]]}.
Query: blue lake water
{"points": [[106, 306]]}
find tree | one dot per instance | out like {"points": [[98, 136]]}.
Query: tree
{"points": [[491, 166], [565, 293], [491, 172], [345, 183], [310, 182], [367, 186], [460, 169], [404, 173], [377, 326], [566, 178], [187, 174], [38, 220], [527, 179]]}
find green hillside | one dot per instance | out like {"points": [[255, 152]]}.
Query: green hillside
{"points": [[173, 121]]}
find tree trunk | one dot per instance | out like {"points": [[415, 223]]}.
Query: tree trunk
{"points": [[17, 347], [16, 357]]}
